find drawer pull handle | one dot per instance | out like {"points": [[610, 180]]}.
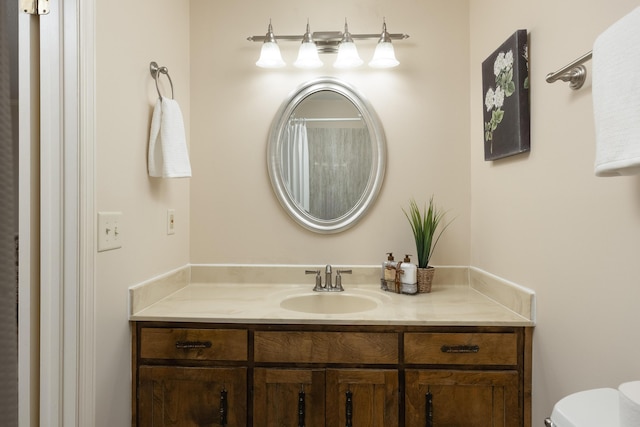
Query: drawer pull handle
{"points": [[223, 407], [349, 408], [301, 408], [192, 345], [460, 348], [429, 409]]}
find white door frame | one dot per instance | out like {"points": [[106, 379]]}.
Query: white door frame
{"points": [[28, 315], [86, 368], [67, 223]]}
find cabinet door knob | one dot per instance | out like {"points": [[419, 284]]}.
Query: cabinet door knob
{"points": [[460, 348], [223, 407], [349, 408]]}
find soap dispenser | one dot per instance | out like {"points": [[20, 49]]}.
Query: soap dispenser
{"points": [[388, 271], [409, 277]]}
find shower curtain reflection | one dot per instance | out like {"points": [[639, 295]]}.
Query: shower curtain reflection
{"points": [[340, 168], [295, 162]]}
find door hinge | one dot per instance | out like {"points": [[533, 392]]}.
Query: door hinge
{"points": [[35, 7]]}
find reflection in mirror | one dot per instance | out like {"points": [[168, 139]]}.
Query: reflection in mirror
{"points": [[326, 156]]}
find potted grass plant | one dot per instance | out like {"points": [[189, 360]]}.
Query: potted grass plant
{"points": [[425, 224]]}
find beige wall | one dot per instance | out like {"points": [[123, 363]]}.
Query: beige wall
{"points": [[541, 219], [544, 220], [423, 105], [129, 36]]}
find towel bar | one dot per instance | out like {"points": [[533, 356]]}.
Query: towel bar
{"points": [[575, 73], [155, 71]]}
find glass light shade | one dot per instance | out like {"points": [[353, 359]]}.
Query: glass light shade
{"points": [[384, 56], [270, 56], [347, 56], [308, 56]]}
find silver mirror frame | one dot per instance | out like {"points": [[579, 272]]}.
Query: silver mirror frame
{"points": [[379, 150]]}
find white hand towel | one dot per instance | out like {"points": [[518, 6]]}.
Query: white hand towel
{"points": [[168, 155], [616, 97]]}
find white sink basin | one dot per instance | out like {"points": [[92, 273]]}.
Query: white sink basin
{"points": [[329, 303]]}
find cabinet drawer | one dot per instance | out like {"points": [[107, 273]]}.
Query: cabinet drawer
{"points": [[461, 348], [193, 344], [326, 347]]}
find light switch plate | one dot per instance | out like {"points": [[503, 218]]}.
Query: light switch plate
{"points": [[109, 231]]}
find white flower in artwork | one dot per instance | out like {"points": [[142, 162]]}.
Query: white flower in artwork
{"points": [[489, 99], [498, 65], [495, 98], [508, 60], [498, 98]]}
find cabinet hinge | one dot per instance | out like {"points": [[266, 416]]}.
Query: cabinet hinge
{"points": [[35, 7]]}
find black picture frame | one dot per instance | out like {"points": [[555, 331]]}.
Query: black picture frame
{"points": [[505, 89]]}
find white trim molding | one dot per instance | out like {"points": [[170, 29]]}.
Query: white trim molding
{"points": [[67, 356], [29, 285], [87, 216], [52, 140]]}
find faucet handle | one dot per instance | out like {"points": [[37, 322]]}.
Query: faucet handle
{"points": [[338, 286], [318, 286]]}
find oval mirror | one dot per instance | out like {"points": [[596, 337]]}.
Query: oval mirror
{"points": [[326, 155]]}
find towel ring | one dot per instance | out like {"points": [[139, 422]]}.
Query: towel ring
{"points": [[155, 71]]}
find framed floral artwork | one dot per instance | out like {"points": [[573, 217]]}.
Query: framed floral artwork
{"points": [[505, 85]]}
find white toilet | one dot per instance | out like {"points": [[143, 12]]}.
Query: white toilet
{"points": [[600, 407], [592, 408]]}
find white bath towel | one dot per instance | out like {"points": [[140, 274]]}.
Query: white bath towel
{"points": [[168, 155], [616, 97]]}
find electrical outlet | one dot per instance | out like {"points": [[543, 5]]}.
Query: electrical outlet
{"points": [[109, 231], [171, 221]]}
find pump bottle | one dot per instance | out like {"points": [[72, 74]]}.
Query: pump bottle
{"points": [[409, 277], [388, 271]]}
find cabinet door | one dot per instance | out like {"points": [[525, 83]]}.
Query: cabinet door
{"points": [[277, 394], [373, 397], [192, 397], [463, 398]]}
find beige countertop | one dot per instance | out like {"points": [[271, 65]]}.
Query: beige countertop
{"points": [[461, 296]]}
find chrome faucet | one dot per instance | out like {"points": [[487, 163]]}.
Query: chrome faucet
{"points": [[328, 282], [328, 286]]}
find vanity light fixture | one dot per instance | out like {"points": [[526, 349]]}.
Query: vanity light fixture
{"points": [[308, 52], [384, 55], [270, 56], [338, 42], [347, 52]]}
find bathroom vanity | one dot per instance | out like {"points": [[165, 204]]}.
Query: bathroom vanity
{"points": [[221, 350]]}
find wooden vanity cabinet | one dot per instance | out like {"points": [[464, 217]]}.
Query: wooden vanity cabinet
{"points": [[472, 379], [373, 400], [189, 377], [320, 397], [344, 372], [191, 396], [284, 397], [330, 375], [462, 398]]}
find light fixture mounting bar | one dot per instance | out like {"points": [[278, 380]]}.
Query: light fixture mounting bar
{"points": [[329, 35], [339, 42], [328, 41]]}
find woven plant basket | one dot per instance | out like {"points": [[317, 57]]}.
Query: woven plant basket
{"points": [[425, 279]]}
